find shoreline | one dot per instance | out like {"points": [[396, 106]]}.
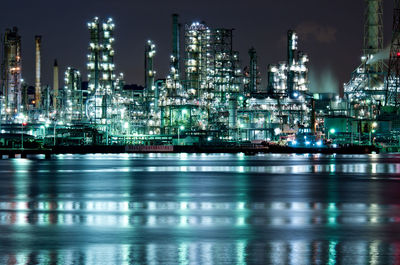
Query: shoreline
{"points": [[145, 149]]}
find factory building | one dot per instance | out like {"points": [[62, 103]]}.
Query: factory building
{"points": [[288, 84], [199, 102], [366, 91], [74, 97], [11, 79]]}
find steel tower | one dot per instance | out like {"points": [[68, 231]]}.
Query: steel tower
{"points": [[393, 77], [366, 91], [101, 69], [11, 71], [373, 33]]}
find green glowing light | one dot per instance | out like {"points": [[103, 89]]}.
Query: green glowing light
{"points": [[332, 252], [241, 252], [241, 221], [241, 205]]}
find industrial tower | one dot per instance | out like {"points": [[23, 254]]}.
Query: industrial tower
{"points": [[55, 86], [288, 84], [151, 92], [150, 51], [365, 91], [11, 73], [38, 85], [73, 98], [393, 76], [373, 34], [101, 68], [175, 58], [253, 73]]}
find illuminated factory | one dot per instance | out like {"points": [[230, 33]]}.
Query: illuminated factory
{"points": [[208, 95], [366, 89], [11, 79]]}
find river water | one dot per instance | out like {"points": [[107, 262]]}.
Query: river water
{"points": [[200, 209]]}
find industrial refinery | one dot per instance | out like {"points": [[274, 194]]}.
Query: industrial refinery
{"points": [[208, 97]]}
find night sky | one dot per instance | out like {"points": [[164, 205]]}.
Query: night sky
{"points": [[331, 32]]}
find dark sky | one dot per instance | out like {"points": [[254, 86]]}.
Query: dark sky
{"points": [[330, 32]]}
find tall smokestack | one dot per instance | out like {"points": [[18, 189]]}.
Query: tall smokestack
{"points": [[150, 51], [175, 41], [55, 85], [38, 41], [291, 53]]}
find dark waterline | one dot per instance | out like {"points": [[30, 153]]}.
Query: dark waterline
{"points": [[200, 209]]}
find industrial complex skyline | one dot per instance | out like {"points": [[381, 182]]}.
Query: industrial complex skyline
{"points": [[332, 44], [212, 92]]}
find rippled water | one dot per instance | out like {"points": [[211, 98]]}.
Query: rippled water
{"points": [[200, 209]]}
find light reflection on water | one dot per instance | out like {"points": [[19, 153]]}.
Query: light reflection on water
{"points": [[192, 214], [373, 168], [238, 252], [200, 209]]}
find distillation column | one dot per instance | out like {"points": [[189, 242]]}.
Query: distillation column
{"points": [[38, 41], [11, 71], [55, 86], [253, 70], [150, 50], [292, 47], [175, 43]]}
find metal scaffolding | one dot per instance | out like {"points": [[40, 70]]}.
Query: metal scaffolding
{"points": [[101, 70], [393, 76], [11, 74], [365, 91]]}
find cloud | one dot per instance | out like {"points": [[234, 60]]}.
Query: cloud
{"points": [[314, 31]]}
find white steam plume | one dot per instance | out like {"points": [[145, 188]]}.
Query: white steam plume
{"points": [[382, 55]]}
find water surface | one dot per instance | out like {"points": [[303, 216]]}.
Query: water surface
{"points": [[200, 209]]}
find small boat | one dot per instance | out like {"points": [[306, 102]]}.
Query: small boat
{"points": [[305, 138]]}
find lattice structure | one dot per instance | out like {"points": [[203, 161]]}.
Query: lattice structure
{"points": [[365, 91], [373, 33], [11, 73], [393, 77], [73, 98], [252, 74]]}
